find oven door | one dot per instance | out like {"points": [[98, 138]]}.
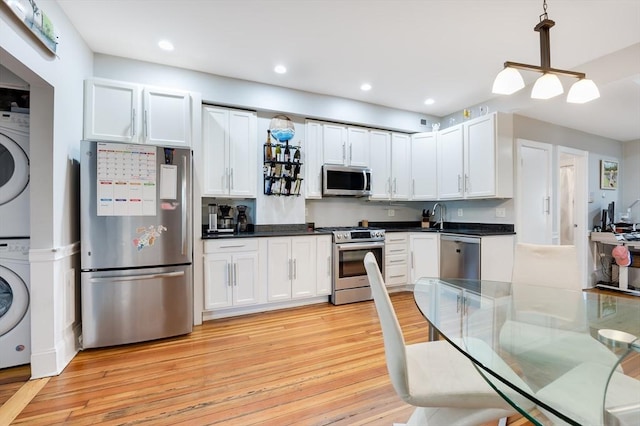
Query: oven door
{"points": [[349, 269]]}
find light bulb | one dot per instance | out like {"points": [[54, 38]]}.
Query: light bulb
{"points": [[507, 81], [547, 87]]}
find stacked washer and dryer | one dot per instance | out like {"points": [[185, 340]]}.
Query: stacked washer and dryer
{"points": [[15, 318]]}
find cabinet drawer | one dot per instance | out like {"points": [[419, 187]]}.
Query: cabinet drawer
{"points": [[395, 259], [231, 245], [395, 250], [396, 274], [396, 238]]}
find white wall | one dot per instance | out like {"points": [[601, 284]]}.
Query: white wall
{"points": [[56, 99], [630, 178]]}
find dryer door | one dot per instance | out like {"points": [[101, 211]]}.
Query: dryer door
{"points": [[14, 169], [14, 300]]}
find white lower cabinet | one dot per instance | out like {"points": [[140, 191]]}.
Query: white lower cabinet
{"points": [[291, 268], [324, 249], [396, 271], [424, 255], [230, 273]]}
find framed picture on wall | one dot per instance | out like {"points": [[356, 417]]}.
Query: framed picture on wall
{"points": [[608, 174]]}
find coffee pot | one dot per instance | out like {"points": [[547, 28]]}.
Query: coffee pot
{"points": [[242, 218], [213, 217]]}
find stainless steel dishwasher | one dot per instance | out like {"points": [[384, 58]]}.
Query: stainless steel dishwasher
{"points": [[459, 256]]}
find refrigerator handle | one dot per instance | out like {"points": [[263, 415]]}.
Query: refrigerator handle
{"points": [[138, 277], [184, 205]]}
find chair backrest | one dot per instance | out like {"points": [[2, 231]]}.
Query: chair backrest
{"points": [[544, 278], [394, 345]]}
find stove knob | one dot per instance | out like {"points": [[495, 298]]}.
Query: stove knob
{"points": [[338, 236]]}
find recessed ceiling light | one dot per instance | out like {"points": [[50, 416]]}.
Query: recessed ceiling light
{"points": [[365, 87], [280, 69], [429, 101], [165, 45]]}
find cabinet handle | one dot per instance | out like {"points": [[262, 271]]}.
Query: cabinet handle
{"points": [[225, 178], [344, 152], [413, 187], [145, 125], [295, 269], [458, 300], [389, 185], [396, 261], [229, 274], [467, 185], [395, 186], [350, 153], [133, 122], [395, 250], [231, 179], [459, 183], [547, 205], [289, 270], [411, 260], [465, 305], [235, 274]]}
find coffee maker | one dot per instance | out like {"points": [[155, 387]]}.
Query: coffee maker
{"points": [[225, 219], [243, 221]]}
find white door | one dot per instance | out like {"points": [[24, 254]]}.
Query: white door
{"points": [[571, 211], [111, 111], [303, 273], [358, 153], [245, 278], [480, 158], [533, 200], [215, 146], [334, 144]]}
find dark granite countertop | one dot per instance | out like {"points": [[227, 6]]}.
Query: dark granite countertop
{"points": [[458, 228], [261, 231]]}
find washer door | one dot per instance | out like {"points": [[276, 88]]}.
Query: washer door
{"points": [[14, 300], [14, 169]]}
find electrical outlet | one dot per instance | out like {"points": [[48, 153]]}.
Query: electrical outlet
{"points": [[391, 212], [459, 212], [501, 212]]}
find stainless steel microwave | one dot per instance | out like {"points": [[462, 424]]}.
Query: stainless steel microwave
{"points": [[346, 180]]}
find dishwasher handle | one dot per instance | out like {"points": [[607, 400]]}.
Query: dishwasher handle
{"points": [[460, 238]]}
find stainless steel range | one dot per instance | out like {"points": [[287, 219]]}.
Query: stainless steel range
{"points": [[350, 245]]}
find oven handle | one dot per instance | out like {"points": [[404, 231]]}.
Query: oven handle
{"points": [[359, 246]]}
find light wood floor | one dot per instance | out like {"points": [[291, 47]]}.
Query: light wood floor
{"points": [[315, 365]]}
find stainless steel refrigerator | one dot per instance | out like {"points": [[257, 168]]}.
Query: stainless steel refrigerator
{"points": [[136, 242]]}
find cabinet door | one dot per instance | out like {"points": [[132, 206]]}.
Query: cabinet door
{"points": [[312, 159], [279, 269], [400, 166], [215, 143], [245, 278], [218, 286], [450, 155], [480, 157], [424, 171], [324, 248], [110, 111], [358, 147], [243, 151], [334, 144], [450, 310], [167, 117], [424, 256], [303, 255], [380, 164]]}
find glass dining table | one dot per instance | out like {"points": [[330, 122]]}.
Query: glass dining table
{"points": [[572, 357]]}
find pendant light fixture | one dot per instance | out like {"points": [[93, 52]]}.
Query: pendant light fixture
{"points": [[509, 80]]}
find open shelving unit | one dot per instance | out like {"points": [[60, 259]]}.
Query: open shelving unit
{"points": [[282, 174]]}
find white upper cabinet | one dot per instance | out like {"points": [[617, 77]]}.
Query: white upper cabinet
{"points": [[312, 152], [342, 145], [450, 163], [230, 152], [380, 164], [400, 166], [127, 112], [389, 157], [476, 158], [424, 167]]}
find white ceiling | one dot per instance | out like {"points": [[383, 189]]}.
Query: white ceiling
{"points": [[408, 50]]}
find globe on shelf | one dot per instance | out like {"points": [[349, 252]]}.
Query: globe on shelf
{"points": [[282, 128]]}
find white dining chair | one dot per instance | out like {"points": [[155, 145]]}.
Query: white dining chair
{"points": [[547, 331], [434, 376]]}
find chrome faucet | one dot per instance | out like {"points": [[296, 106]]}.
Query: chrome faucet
{"points": [[442, 210]]}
